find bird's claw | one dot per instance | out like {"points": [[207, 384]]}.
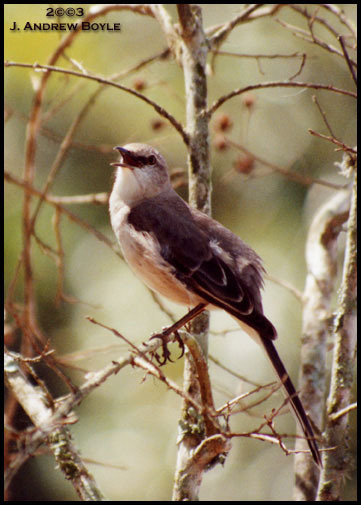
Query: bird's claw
{"points": [[162, 360]]}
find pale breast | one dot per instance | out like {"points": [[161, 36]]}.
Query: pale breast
{"points": [[142, 253]]}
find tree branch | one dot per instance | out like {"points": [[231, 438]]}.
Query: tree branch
{"points": [[337, 462], [321, 259]]}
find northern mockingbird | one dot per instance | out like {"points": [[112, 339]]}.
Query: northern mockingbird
{"points": [[190, 258]]}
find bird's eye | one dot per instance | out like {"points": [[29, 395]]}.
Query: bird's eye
{"points": [[152, 160]]}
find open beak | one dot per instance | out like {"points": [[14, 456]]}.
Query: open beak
{"points": [[129, 160]]}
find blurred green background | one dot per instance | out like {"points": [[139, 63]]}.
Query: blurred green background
{"points": [[128, 422]]}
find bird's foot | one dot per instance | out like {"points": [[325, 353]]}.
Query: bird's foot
{"points": [[164, 336]]}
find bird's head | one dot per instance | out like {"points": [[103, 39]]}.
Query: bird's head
{"points": [[141, 173]]}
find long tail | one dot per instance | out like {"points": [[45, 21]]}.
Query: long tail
{"points": [[293, 397]]}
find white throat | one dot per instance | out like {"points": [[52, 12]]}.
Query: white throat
{"points": [[126, 188]]}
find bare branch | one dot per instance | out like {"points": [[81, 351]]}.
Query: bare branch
{"points": [[292, 176], [338, 143], [55, 435], [221, 33], [49, 68], [337, 463], [259, 57], [193, 55], [321, 258], [347, 57], [280, 84], [58, 202]]}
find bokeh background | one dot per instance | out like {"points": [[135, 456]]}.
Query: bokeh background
{"points": [[128, 427]]}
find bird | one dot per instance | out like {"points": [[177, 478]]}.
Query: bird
{"points": [[190, 258]]}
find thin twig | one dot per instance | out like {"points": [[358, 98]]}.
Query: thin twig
{"points": [[323, 114], [293, 176], [57, 202], [338, 143], [341, 39], [276, 84], [161, 111]]}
